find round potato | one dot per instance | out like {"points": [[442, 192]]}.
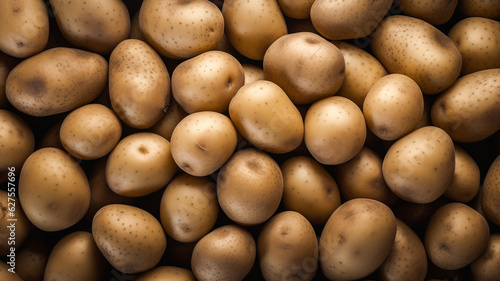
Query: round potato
{"points": [[165, 127], [466, 179], [170, 273], [296, 9], [480, 8], [433, 12], [490, 200], [252, 73], [485, 267], [14, 225]]}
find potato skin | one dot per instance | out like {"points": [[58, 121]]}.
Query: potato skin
{"points": [[433, 12], [5, 274], [490, 200], [466, 179], [171, 273], [479, 8], [486, 266], [23, 226]]}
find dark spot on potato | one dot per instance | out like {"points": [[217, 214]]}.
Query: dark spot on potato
{"points": [[443, 247], [311, 40], [441, 39], [253, 165], [35, 87], [341, 239], [142, 149]]}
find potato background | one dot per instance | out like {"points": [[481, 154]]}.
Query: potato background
{"points": [[178, 254]]}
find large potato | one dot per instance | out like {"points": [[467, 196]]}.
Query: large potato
{"points": [[56, 80], [431, 11], [485, 267], [490, 200], [413, 47]]}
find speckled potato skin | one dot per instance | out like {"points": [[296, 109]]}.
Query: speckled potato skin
{"points": [[346, 132], [413, 47], [314, 68], [171, 273], [455, 236], [252, 26], [339, 20], [407, 259], [433, 12], [362, 70], [466, 179], [140, 164], [131, 239], [207, 81], [393, 106], [139, 84], [252, 73], [490, 201], [419, 167], [93, 25], [309, 189], [480, 8], [468, 110], [75, 257], [53, 189], [225, 254], [356, 239], [24, 27], [22, 224], [487, 265], [181, 29], [478, 40], [56, 80]]}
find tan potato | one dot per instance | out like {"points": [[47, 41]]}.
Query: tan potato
{"points": [[171, 273], [466, 179], [485, 267], [252, 73], [165, 127], [362, 70], [6, 65], [356, 239], [264, 115], [313, 68], [181, 29], [339, 20], [467, 111], [419, 167], [24, 28], [345, 136], [480, 8], [56, 80], [287, 247], [393, 106], [413, 47], [31, 259], [6, 274], [250, 187], [135, 29], [75, 257], [51, 137], [490, 200], [309, 189], [252, 26], [92, 24], [53, 189], [296, 9], [207, 81], [226, 253], [15, 226], [478, 40], [140, 164], [139, 84], [455, 236], [433, 12], [202, 142], [131, 239]]}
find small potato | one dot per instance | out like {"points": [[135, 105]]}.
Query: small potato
{"points": [[252, 73], [486, 266], [346, 132], [90, 132], [480, 8], [165, 127], [140, 164], [478, 40], [14, 225], [296, 9], [226, 253], [455, 236], [202, 142], [466, 179], [490, 201], [433, 12], [314, 68], [170, 273]]}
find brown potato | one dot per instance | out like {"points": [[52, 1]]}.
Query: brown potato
{"points": [[480, 8], [252, 73], [485, 267], [165, 127], [170, 273], [14, 225], [31, 258], [466, 179], [433, 12], [490, 201], [6, 274], [296, 9]]}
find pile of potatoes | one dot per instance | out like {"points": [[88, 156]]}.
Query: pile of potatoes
{"points": [[250, 140]]}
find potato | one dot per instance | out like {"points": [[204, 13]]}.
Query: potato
{"points": [[171, 273], [226, 253], [207, 81], [490, 201], [92, 24], [24, 28], [339, 20], [5, 68], [407, 259], [480, 8], [6, 274], [413, 47], [165, 127], [189, 208], [466, 179], [56, 80], [252, 73], [139, 84], [309, 189], [362, 70], [265, 116], [356, 239], [419, 167], [180, 29], [32, 258], [76, 257], [250, 187], [393, 106], [346, 132], [314, 68], [252, 26], [433, 12], [53, 189], [468, 110], [361, 177], [288, 248], [131, 239], [455, 236], [485, 267], [296, 9], [140, 164], [14, 225], [202, 142], [90, 131], [478, 40]]}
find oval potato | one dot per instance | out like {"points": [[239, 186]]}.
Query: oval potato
{"points": [[466, 179], [485, 267], [480, 8], [433, 12]]}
